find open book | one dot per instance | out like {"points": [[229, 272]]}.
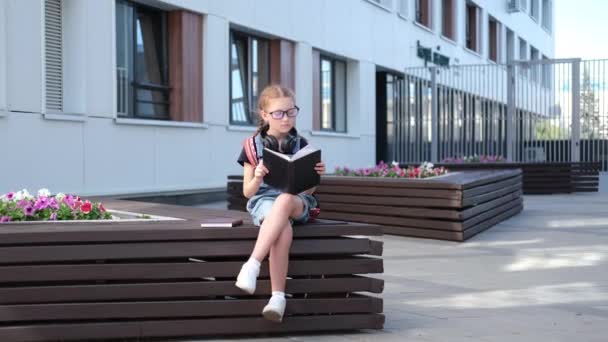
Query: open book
{"points": [[292, 173]]}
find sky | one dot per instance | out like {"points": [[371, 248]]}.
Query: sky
{"points": [[581, 29]]}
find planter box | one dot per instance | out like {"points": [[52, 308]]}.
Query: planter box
{"points": [[546, 178], [168, 279], [453, 207]]}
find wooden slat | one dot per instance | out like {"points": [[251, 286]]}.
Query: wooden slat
{"points": [[448, 235], [185, 308], [492, 212], [438, 213], [188, 327], [392, 201], [175, 290], [372, 191], [491, 187], [22, 235], [491, 195], [154, 250], [180, 270], [427, 223], [491, 222]]}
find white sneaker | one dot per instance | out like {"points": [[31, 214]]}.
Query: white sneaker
{"points": [[247, 278], [275, 309]]}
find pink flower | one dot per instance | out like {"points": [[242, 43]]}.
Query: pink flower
{"points": [[10, 197], [53, 204], [41, 203], [23, 203], [28, 210], [86, 207], [5, 219], [77, 204], [102, 208]]}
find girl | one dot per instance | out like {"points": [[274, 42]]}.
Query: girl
{"points": [[275, 212]]}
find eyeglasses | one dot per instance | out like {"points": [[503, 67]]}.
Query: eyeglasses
{"points": [[279, 114]]}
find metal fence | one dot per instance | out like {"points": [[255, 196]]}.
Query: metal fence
{"points": [[530, 111]]}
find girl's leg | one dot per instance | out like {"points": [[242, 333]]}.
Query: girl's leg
{"points": [[285, 206], [279, 259], [274, 224]]}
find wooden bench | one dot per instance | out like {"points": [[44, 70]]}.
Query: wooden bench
{"points": [[74, 281], [452, 207], [546, 178]]}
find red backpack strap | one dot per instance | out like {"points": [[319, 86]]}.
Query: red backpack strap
{"points": [[250, 151]]}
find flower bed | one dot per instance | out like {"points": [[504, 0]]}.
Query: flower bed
{"points": [[22, 206], [425, 170]]}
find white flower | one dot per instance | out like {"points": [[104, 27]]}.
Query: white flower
{"points": [[394, 163], [60, 196], [44, 192], [26, 194], [3, 198], [19, 196]]}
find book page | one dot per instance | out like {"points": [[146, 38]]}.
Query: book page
{"points": [[278, 154], [308, 149]]}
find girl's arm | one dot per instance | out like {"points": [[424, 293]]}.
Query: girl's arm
{"points": [[252, 178]]}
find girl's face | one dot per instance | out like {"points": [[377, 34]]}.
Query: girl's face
{"points": [[283, 125]]}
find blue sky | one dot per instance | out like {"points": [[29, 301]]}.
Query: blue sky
{"points": [[581, 29]]}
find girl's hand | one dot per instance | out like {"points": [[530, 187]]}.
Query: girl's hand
{"points": [[320, 168], [260, 171]]}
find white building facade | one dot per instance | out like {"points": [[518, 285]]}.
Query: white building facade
{"points": [[110, 97]]}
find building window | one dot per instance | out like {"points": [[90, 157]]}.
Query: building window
{"points": [[494, 40], [534, 68], [53, 38], [547, 15], [141, 61], [510, 45], [249, 74], [523, 55], [423, 12], [546, 73], [448, 19], [534, 9], [472, 27], [333, 94], [523, 49]]}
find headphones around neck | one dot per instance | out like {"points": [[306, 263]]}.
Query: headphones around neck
{"points": [[287, 146]]}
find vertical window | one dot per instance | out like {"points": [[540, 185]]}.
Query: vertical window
{"points": [[249, 74], [534, 68], [510, 45], [546, 73], [53, 39], [523, 49], [493, 40], [547, 14], [534, 9], [523, 55], [333, 94], [423, 12], [141, 61], [448, 19], [472, 27]]}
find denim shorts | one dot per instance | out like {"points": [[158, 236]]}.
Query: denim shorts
{"points": [[259, 206]]}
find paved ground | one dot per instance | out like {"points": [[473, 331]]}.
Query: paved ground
{"points": [[540, 276]]}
